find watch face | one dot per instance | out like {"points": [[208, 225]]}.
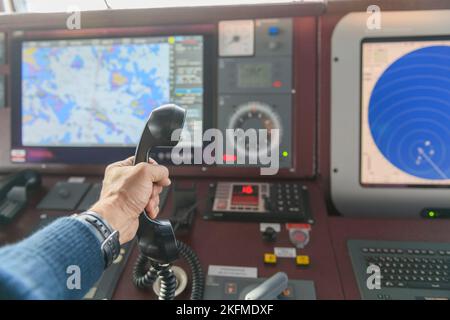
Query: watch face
{"points": [[236, 38]]}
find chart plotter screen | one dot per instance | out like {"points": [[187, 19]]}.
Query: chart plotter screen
{"points": [[405, 112], [100, 92]]}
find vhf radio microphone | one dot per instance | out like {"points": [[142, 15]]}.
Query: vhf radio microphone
{"points": [[156, 239]]}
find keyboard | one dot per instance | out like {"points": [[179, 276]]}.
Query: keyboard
{"points": [[401, 270], [93, 194]]}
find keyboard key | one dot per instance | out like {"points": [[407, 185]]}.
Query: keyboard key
{"points": [[428, 285]]}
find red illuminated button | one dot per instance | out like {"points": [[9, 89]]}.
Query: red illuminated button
{"points": [[299, 237], [247, 189]]}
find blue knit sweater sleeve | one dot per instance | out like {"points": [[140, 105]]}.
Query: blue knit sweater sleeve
{"points": [[60, 261]]}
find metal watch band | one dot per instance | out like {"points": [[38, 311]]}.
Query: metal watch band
{"points": [[109, 237]]}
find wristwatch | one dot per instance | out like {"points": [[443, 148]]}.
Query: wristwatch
{"points": [[109, 238]]}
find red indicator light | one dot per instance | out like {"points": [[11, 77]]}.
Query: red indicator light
{"points": [[247, 189], [229, 157], [277, 84]]}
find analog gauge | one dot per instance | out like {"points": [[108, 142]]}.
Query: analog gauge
{"points": [[236, 38], [254, 115]]}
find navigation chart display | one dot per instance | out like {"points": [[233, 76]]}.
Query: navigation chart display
{"points": [[405, 105], [100, 92]]}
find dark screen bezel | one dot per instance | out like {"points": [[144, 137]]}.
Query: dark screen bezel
{"points": [[94, 155]]}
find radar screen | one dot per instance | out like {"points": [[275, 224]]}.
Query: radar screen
{"points": [[405, 112]]}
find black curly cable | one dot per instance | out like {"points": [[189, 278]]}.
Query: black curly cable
{"points": [[198, 281], [168, 284], [143, 273], [147, 271]]}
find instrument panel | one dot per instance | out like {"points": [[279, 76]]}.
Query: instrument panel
{"points": [[255, 91], [249, 86]]}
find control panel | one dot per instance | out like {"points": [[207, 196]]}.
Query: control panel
{"points": [[259, 201], [255, 85], [233, 288]]}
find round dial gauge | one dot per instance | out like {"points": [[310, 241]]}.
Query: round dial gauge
{"points": [[254, 115], [236, 38]]}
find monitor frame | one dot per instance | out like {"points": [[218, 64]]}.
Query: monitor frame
{"points": [[349, 196], [92, 155]]}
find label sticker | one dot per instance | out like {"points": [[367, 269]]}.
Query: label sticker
{"points": [[264, 226], [76, 179], [305, 226], [285, 252], [232, 271], [18, 155]]}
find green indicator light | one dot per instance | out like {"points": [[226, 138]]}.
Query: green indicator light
{"points": [[431, 214], [285, 154]]}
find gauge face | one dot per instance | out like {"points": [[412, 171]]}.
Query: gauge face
{"points": [[236, 38], [254, 115]]}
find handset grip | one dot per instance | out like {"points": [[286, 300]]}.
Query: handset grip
{"points": [[156, 238]]}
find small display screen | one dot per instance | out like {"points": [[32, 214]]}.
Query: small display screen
{"points": [[405, 136], [254, 75], [245, 194]]}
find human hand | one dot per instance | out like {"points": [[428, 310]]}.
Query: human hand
{"points": [[127, 190]]}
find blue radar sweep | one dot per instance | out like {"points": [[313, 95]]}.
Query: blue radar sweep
{"points": [[409, 113]]}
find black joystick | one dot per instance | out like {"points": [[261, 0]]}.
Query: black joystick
{"points": [[269, 234], [156, 237]]}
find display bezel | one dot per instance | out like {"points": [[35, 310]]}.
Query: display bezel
{"points": [[96, 155]]}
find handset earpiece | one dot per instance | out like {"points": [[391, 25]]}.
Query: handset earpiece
{"points": [[156, 238]]}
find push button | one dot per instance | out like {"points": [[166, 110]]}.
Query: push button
{"points": [[302, 261], [273, 31], [270, 258]]}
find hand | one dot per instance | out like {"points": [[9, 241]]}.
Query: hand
{"points": [[127, 190]]}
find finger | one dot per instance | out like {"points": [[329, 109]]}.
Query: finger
{"points": [[152, 208], [152, 161], [164, 183], [156, 190], [156, 172], [123, 163]]}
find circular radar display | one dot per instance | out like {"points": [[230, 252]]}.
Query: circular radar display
{"points": [[254, 115], [409, 113]]}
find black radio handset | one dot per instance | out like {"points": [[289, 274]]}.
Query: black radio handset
{"points": [[14, 193], [156, 237]]}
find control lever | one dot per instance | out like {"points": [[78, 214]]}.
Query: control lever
{"points": [[270, 289], [156, 238]]}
